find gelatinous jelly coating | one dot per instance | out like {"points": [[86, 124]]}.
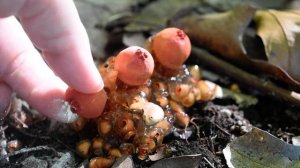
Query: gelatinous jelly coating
{"points": [[134, 65], [171, 47], [143, 108], [141, 116], [144, 114], [86, 105]]}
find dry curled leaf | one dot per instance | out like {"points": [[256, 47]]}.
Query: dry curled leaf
{"points": [[280, 33]]}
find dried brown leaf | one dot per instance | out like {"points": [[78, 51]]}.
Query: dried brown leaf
{"points": [[280, 33], [223, 33], [155, 15]]}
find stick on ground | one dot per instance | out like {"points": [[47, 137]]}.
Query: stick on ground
{"points": [[246, 78]]}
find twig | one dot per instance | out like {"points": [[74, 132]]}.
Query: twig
{"points": [[220, 128], [33, 149], [3, 144], [246, 78], [30, 134], [3, 128], [211, 165], [196, 126], [65, 145]]}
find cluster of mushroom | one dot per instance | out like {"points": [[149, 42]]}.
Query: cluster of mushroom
{"points": [[144, 101]]}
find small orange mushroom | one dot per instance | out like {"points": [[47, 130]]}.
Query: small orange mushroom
{"points": [[134, 65], [171, 47], [86, 105]]}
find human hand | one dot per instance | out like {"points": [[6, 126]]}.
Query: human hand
{"points": [[54, 27]]}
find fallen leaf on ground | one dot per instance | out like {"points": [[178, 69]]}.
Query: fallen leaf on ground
{"points": [[134, 39], [296, 140], [182, 133], [228, 4], [155, 15], [160, 154], [221, 32], [124, 162], [241, 99], [225, 33], [259, 149], [187, 161], [280, 33]]}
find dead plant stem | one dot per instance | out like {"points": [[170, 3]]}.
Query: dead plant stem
{"points": [[246, 78]]}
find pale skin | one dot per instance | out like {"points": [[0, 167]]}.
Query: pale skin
{"points": [[54, 27]]}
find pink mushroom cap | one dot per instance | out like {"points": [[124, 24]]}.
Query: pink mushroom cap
{"points": [[134, 65], [171, 47]]}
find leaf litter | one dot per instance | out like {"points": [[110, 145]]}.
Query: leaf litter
{"points": [[225, 34], [260, 149]]}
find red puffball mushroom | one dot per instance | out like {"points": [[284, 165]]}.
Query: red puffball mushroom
{"points": [[171, 47], [134, 65], [86, 105]]}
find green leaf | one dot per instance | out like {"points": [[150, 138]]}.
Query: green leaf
{"points": [[280, 33], [241, 99], [259, 149]]}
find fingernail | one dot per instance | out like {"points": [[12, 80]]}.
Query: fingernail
{"points": [[101, 83], [99, 79], [64, 113]]}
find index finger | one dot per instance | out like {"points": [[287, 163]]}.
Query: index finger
{"points": [[55, 28]]}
